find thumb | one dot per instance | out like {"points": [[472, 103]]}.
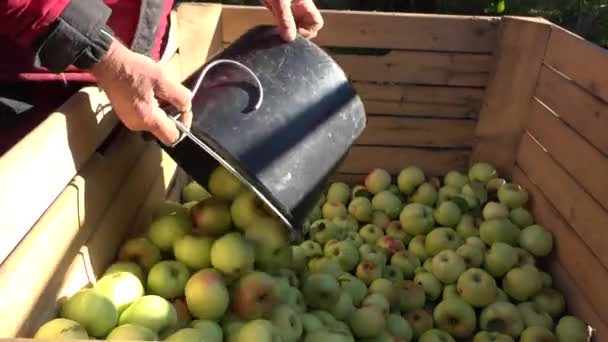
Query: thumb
{"points": [[286, 22], [162, 127]]}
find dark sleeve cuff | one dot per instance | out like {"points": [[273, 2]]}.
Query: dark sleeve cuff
{"points": [[79, 37]]}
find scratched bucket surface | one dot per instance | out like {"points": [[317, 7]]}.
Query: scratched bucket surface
{"points": [[285, 150]]}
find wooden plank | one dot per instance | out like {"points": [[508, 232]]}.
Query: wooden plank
{"points": [[200, 34], [362, 159], [585, 113], [430, 110], [417, 67], [583, 162], [420, 94], [580, 60], [520, 52], [381, 30], [583, 213], [570, 251], [349, 178], [397, 131]]}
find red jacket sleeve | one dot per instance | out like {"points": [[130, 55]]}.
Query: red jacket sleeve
{"points": [[25, 21]]}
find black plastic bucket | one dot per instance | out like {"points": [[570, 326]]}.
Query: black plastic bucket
{"points": [[283, 141]]}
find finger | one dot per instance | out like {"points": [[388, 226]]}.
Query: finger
{"points": [[162, 127], [186, 119], [286, 22], [174, 93]]}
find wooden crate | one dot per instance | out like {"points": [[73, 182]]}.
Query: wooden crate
{"points": [[440, 92]]}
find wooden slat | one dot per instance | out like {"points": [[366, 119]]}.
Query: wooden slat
{"points": [[572, 253], [420, 94], [397, 131], [349, 178], [587, 217], [362, 159], [427, 68], [381, 30], [520, 52], [436, 110], [580, 60], [583, 161], [584, 112]]}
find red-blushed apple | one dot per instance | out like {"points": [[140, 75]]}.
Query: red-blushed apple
{"points": [[131, 332], [442, 238], [499, 230], [449, 291], [492, 336], [409, 179], [499, 259], [399, 327], [388, 203], [447, 193], [150, 311], [353, 286], [495, 210], [382, 294], [436, 335], [536, 240], [167, 279], [141, 251], [194, 251], [377, 180], [425, 194], [521, 217], [325, 265], [206, 294], [321, 290], [361, 209], [338, 192], [368, 271], [392, 273], [271, 243], [512, 195], [417, 247], [390, 245], [380, 219], [163, 231], [407, 262], [447, 214], [417, 218], [345, 253], [122, 288], [254, 295], [477, 287], [572, 329], [92, 309], [61, 329], [367, 322], [482, 172], [232, 254], [534, 316], [455, 178], [323, 230], [420, 320], [181, 309], [331, 210], [343, 307], [431, 285], [194, 192], [370, 233], [502, 317], [473, 256], [245, 208], [537, 334], [447, 266], [395, 230], [522, 283], [259, 330], [455, 316], [466, 227], [287, 321], [224, 185], [550, 301]]}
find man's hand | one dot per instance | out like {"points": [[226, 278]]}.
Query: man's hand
{"points": [[296, 16], [133, 83]]}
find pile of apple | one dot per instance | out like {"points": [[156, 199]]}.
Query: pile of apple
{"points": [[404, 258]]}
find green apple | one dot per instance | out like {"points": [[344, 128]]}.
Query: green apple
{"points": [[224, 185], [310, 323], [211, 217], [354, 238], [206, 294], [449, 291], [377, 180], [194, 192], [476, 242], [134, 332], [512, 195], [455, 178], [329, 336], [482, 172], [164, 230], [361, 209], [407, 262], [534, 316], [368, 271], [547, 279], [420, 321], [466, 227], [572, 329], [392, 273], [141, 251], [324, 230], [492, 336], [122, 288], [61, 329], [499, 230], [211, 330], [537, 334], [254, 295], [287, 321], [522, 283], [169, 207], [360, 191], [417, 218], [380, 219], [436, 335], [388, 203], [501, 296], [536, 240], [410, 296], [447, 214], [425, 194], [345, 253], [440, 239], [477, 287], [473, 256], [409, 179], [367, 321], [502, 317], [477, 190], [495, 210], [447, 193], [373, 252], [550, 301], [431, 285], [417, 246], [325, 265], [524, 257], [311, 248], [184, 335], [92, 309], [370, 233], [150, 311], [232, 254], [447, 266], [126, 266], [428, 265], [295, 298], [259, 330], [331, 210], [499, 259], [353, 286], [167, 279], [521, 217], [390, 245], [343, 307], [399, 327], [194, 251], [466, 202], [245, 208], [321, 290], [395, 230], [271, 243], [385, 288], [493, 185], [338, 192], [455, 316]]}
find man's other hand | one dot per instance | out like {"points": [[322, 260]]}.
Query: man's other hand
{"points": [[296, 16]]}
